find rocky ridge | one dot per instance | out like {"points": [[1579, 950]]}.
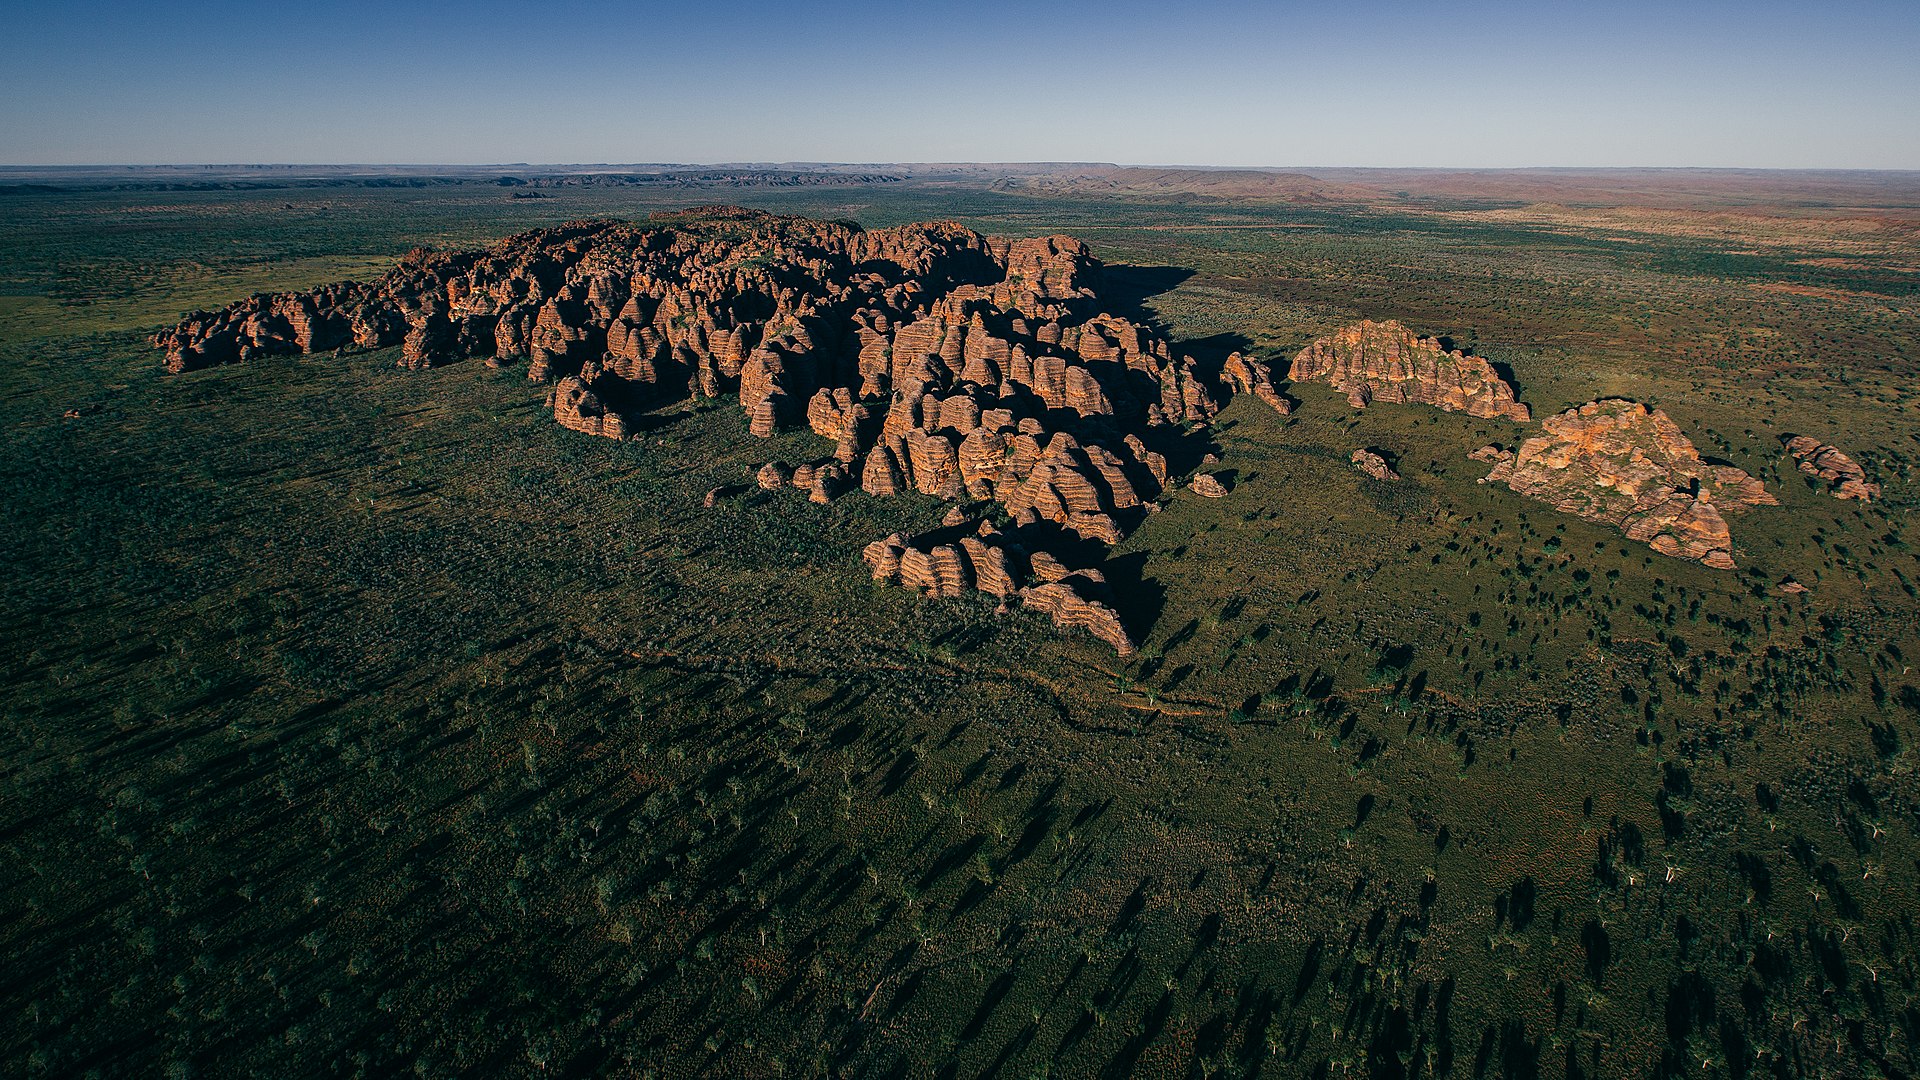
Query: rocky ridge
{"points": [[1621, 463], [936, 359], [1384, 361], [985, 559]]}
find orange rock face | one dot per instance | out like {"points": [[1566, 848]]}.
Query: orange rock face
{"points": [[1249, 376], [1844, 477], [1618, 462], [1384, 361], [1209, 486]]}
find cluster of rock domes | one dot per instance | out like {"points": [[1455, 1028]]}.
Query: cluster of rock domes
{"points": [[979, 370], [936, 359], [986, 560]]}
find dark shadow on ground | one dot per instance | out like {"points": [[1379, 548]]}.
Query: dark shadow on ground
{"points": [[1505, 371], [1124, 290], [1210, 353], [1184, 450], [1138, 598]]}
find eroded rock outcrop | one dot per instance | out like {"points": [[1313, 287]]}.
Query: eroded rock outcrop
{"points": [[1619, 462], [941, 564], [1246, 375], [576, 406], [1844, 477], [937, 360], [1207, 486], [1384, 361], [1373, 465]]}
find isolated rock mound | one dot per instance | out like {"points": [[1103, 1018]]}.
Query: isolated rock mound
{"points": [[1618, 462], [1208, 486], [936, 359], [1384, 361], [1844, 477], [1373, 465]]}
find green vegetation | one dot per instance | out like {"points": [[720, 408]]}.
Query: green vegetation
{"points": [[357, 721]]}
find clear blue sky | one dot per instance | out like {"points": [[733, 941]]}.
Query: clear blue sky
{"points": [[1219, 82]]}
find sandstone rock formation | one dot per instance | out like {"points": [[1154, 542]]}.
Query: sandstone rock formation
{"points": [[576, 406], [1208, 485], [1618, 462], [937, 360], [988, 562], [1844, 477], [1385, 361], [1249, 376], [1373, 465]]}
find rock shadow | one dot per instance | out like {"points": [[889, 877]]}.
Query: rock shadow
{"points": [[1505, 371], [1138, 598], [1073, 550], [1392, 459], [1185, 451], [1124, 290], [1210, 353]]}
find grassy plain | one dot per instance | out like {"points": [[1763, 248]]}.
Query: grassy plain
{"points": [[359, 721]]}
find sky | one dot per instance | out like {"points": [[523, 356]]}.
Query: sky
{"points": [[1468, 84]]}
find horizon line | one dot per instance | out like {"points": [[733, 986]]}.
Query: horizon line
{"points": [[664, 165]]}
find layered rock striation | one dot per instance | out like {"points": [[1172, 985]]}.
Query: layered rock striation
{"points": [[1384, 361], [986, 560], [1207, 486], [936, 359], [1619, 462], [1245, 375], [1844, 477]]}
